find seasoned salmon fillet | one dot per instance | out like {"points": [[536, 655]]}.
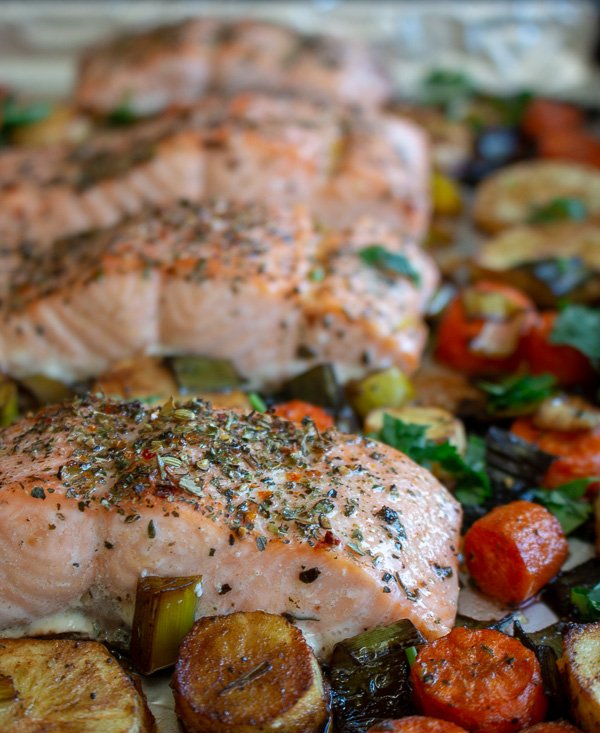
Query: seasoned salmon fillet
{"points": [[175, 65], [341, 163], [339, 532], [255, 285], [63, 190]]}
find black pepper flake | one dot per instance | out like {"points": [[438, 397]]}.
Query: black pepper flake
{"points": [[151, 530], [211, 552], [443, 572], [386, 577], [38, 492], [231, 540], [108, 545], [386, 589], [81, 506], [92, 695], [310, 575], [261, 542], [225, 588]]}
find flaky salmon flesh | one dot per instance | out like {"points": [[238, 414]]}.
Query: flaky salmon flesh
{"points": [[340, 163], [340, 533], [175, 65], [259, 286]]}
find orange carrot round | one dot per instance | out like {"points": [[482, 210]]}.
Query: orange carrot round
{"points": [[297, 410], [543, 116], [482, 680], [568, 365], [578, 453], [458, 333], [515, 550], [559, 726], [416, 724]]}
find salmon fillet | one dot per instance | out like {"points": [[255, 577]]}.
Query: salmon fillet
{"points": [[340, 532], [63, 190], [339, 162], [175, 65], [255, 285]]}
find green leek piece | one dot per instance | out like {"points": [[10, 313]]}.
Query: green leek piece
{"points": [[9, 406], [165, 609], [8, 692], [388, 388], [47, 391], [318, 386], [369, 676], [199, 374]]}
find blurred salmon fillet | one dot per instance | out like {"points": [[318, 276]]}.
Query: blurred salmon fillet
{"points": [[175, 65], [254, 285], [339, 532], [341, 163]]}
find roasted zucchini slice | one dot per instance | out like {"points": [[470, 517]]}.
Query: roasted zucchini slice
{"points": [[248, 672], [580, 665], [74, 686]]}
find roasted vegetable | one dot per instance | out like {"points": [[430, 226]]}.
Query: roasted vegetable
{"points": [[513, 551], [196, 374], [387, 388], [9, 405], [547, 645], [416, 724], [580, 665], [298, 411], [369, 676], [559, 594], [480, 680], [318, 386], [75, 686], [567, 504], [165, 609], [248, 671], [143, 378], [446, 196], [47, 391], [516, 394]]}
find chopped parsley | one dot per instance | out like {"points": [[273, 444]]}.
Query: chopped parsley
{"points": [[587, 601], [257, 402], [514, 393], [560, 209], [578, 326], [15, 115], [565, 503], [376, 255], [411, 439]]}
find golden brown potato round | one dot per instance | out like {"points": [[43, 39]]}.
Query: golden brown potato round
{"points": [[248, 673]]}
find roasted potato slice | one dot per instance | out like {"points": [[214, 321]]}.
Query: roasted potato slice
{"points": [[510, 196], [522, 256], [580, 665], [144, 378], [248, 672], [69, 686]]}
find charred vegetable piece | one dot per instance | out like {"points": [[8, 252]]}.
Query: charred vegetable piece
{"points": [[513, 465], [547, 645], [318, 386], [558, 595], [518, 394], [387, 388], [369, 676], [9, 405], [499, 624], [164, 613], [199, 374]]}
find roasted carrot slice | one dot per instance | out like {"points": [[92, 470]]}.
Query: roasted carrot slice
{"points": [[297, 410], [568, 365], [515, 550], [544, 116], [578, 453], [480, 680], [416, 724], [482, 329]]}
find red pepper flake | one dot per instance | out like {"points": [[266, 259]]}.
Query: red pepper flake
{"points": [[147, 455]]}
